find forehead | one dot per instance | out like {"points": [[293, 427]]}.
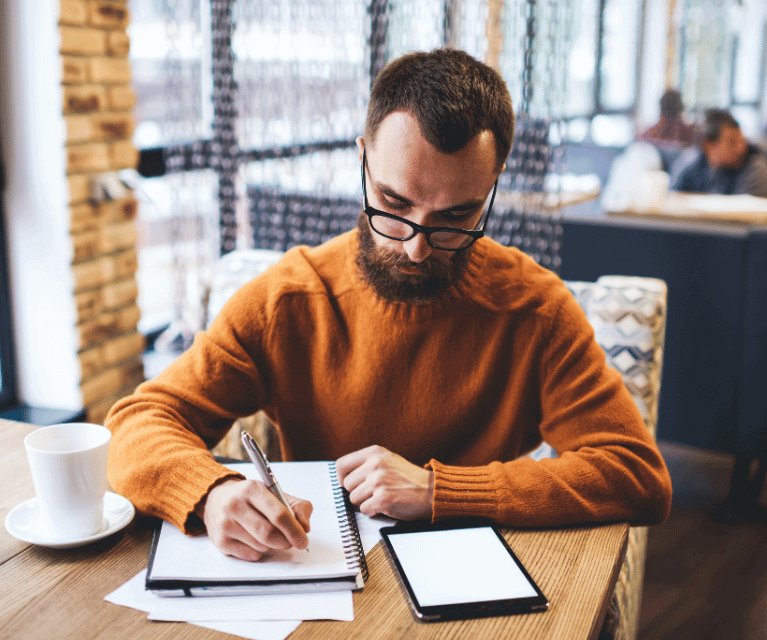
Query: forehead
{"points": [[729, 134], [401, 153]]}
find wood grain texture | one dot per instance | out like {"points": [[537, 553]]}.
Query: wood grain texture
{"points": [[59, 593]]}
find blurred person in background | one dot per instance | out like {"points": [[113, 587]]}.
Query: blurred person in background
{"points": [[725, 161], [671, 134]]}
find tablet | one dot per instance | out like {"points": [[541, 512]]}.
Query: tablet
{"points": [[460, 570]]}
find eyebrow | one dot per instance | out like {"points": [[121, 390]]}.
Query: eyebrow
{"points": [[391, 193]]}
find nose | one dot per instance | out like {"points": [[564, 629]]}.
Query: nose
{"points": [[417, 248]]}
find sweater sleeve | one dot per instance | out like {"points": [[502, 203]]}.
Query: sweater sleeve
{"points": [[158, 455], [608, 469]]}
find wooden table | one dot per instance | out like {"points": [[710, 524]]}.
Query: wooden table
{"points": [[704, 207], [51, 593]]}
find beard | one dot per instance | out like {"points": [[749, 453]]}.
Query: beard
{"points": [[377, 268]]}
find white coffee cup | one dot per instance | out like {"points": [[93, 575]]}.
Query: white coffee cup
{"points": [[69, 471]]}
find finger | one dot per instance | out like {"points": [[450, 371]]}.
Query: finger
{"points": [[372, 506], [362, 492], [348, 463], [285, 528], [303, 511], [243, 551], [234, 540], [257, 532]]}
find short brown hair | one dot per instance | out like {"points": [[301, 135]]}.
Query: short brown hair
{"points": [[714, 120], [452, 95]]}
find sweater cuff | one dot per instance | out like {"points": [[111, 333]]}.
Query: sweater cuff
{"points": [[463, 492], [185, 491]]}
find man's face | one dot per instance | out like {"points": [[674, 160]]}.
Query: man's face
{"points": [[408, 177], [728, 149]]}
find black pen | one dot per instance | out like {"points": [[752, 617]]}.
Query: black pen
{"points": [[264, 470]]}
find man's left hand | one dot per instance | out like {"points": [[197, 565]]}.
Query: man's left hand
{"points": [[379, 481]]}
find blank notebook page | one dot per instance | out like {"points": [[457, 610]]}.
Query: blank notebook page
{"points": [[195, 558]]}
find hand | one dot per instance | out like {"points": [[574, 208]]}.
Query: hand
{"points": [[245, 520], [379, 481]]}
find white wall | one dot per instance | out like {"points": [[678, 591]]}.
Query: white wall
{"points": [[35, 204]]}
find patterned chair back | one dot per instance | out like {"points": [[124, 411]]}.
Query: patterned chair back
{"points": [[629, 319]]}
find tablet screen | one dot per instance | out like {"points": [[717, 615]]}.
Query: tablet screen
{"points": [[459, 566]]}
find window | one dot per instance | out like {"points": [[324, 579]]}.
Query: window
{"points": [[7, 372]]}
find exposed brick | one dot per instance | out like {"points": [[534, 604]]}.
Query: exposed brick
{"points": [[88, 157], [91, 362], [123, 155], [102, 384], [124, 209], [78, 128], [118, 294], [73, 12], [85, 216], [132, 375], [118, 236], [98, 412], [79, 187], [118, 43], [123, 347], [86, 245], [87, 304], [109, 14], [74, 70], [127, 318], [112, 126], [126, 263], [97, 330], [83, 41], [110, 70], [121, 97], [92, 273], [84, 98]]}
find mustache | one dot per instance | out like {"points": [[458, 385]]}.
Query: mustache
{"points": [[387, 259]]}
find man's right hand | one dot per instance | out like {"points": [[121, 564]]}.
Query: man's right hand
{"points": [[245, 520]]}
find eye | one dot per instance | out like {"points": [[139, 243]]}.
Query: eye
{"points": [[397, 205], [457, 216]]}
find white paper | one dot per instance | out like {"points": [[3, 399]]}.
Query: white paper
{"points": [[370, 527], [335, 605], [133, 594]]}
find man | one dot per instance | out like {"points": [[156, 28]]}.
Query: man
{"points": [[671, 134], [422, 357], [726, 162]]}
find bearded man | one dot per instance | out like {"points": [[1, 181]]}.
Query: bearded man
{"points": [[423, 357]]}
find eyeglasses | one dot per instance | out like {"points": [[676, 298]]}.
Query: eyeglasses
{"points": [[397, 228]]}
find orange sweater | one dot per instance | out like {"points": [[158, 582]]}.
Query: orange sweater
{"points": [[465, 385]]}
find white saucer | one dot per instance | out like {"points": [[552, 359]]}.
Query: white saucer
{"points": [[23, 522]]}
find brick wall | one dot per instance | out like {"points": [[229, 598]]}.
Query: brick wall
{"points": [[97, 103]]}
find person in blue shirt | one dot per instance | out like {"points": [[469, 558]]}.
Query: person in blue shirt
{"points": [[725, 163]]}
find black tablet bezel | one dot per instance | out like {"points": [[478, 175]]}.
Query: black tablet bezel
{"points": [[460, 611]]}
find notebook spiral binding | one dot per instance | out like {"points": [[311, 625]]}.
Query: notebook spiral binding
{"points": [[355, 554]]}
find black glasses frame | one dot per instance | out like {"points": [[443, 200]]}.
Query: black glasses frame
{"points": [[474, 234]]}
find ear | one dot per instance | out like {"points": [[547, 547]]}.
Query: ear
{"points": [[360, 141], [707, 146]]}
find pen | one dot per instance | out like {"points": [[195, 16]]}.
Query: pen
{"points": [[264, 470]]}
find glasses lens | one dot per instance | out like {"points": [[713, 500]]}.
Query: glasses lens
{"points": [[391, 228], [450, 239]]}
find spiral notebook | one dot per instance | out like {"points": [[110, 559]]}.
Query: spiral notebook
{"points": [[181, 565]]}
